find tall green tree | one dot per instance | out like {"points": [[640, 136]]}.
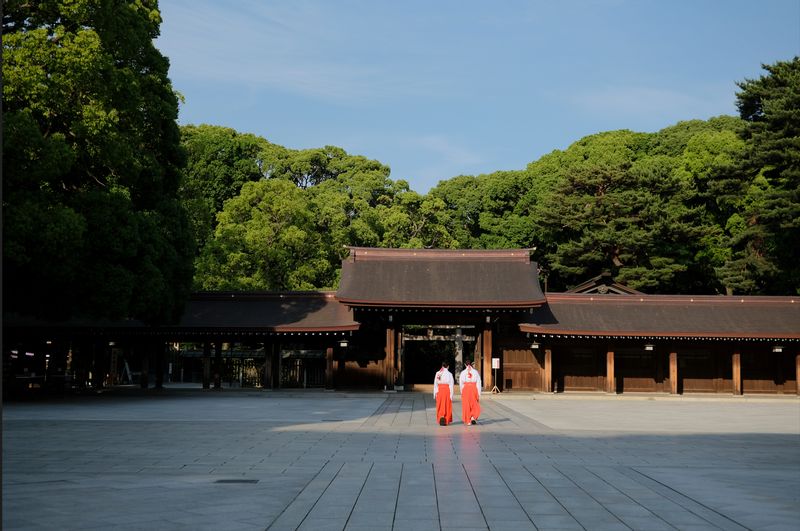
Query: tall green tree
{"points": [[265, 239], [92, 164], [617, 210], [219, 161], [767, 234]]}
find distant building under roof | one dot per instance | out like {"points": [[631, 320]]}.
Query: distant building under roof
{"points": [[399, 313], [603, 284]]}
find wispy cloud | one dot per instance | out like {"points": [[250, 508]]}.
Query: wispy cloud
{"points": [[440, 157], [296, 49], [446, 149], [635, 102]]}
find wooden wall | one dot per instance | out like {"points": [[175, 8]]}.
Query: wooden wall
{"points": [[521, 367], [579, 369]]}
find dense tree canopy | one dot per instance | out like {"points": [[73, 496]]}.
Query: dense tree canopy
{"points": [[91, 164], [104, 195], [765, 229], [619, 210], [703, 206]]}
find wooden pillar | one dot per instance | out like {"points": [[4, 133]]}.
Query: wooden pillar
{"points": [[477, 355], [329, 368], [488, 381], [673, 373], [391, 336], [610, 380], [218, 365], [279, 373], [797, 371], [401, 359], [737, 373], [266, 382], [547, 385], [206, 365]]}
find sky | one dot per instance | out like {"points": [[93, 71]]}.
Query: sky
{"points": [[440, 88]]}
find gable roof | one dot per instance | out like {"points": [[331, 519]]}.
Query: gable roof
{"points": [[439, 278], [676, 316], [603, 284]]}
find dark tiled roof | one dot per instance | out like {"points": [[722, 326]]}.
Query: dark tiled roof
{"points": [[268, 312], [440, 278], [667, 316]]}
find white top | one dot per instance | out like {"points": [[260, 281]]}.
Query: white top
{"points": [[444, 376], [470, 375]]}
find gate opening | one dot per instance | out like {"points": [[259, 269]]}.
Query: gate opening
{"points": [[425, 347]]}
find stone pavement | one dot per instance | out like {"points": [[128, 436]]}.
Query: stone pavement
{"points": [[373, 461]]}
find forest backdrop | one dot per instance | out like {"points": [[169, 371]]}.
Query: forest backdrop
{"points": [[112, 210]]}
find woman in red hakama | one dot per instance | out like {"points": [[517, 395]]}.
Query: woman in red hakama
{"points": [[443, 385], [469, 381]]}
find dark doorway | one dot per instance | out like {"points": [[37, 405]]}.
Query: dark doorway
{"points": [[424, 358]]}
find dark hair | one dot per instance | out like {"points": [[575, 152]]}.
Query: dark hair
{"points": [[445, 364], [467, 361]]}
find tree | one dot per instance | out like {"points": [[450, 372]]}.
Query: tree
{"points": [[615, 209], [219, 161], [92, 163], [710, 166], [265, 240], [767, 232], [462, 197], [415, 221]]}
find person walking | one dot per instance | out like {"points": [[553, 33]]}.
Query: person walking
{"points": [[469, 381], [443, 385]]}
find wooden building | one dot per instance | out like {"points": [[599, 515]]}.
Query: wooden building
{"points": [[399, 312]]}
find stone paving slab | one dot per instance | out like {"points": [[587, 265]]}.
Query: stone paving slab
{"points": [[373, 461]]}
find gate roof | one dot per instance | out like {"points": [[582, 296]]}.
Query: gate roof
{"points": [[438, 278]]}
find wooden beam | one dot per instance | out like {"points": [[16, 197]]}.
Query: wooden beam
{"points": [[488, 381], [401, 357], [547, 385], [737, 373], [673, 373], [610, 379], [477, 356], [329, 368], [266, 380], [390, 356]]}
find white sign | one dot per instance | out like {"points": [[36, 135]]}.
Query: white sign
{"points": [[495, 363]]}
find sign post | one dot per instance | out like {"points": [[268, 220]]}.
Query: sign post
{"points": [[495, 366]]}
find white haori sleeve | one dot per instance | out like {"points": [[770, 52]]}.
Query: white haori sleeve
{"points": [[436, 381], [478, 382], [449, 377]]}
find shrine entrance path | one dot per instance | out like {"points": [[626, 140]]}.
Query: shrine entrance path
{"points": [[378, 461]]}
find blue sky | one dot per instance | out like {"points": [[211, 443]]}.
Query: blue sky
{"points": [[441, 88]]}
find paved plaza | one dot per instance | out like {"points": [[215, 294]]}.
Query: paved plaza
{"points": [[378, 461]]}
